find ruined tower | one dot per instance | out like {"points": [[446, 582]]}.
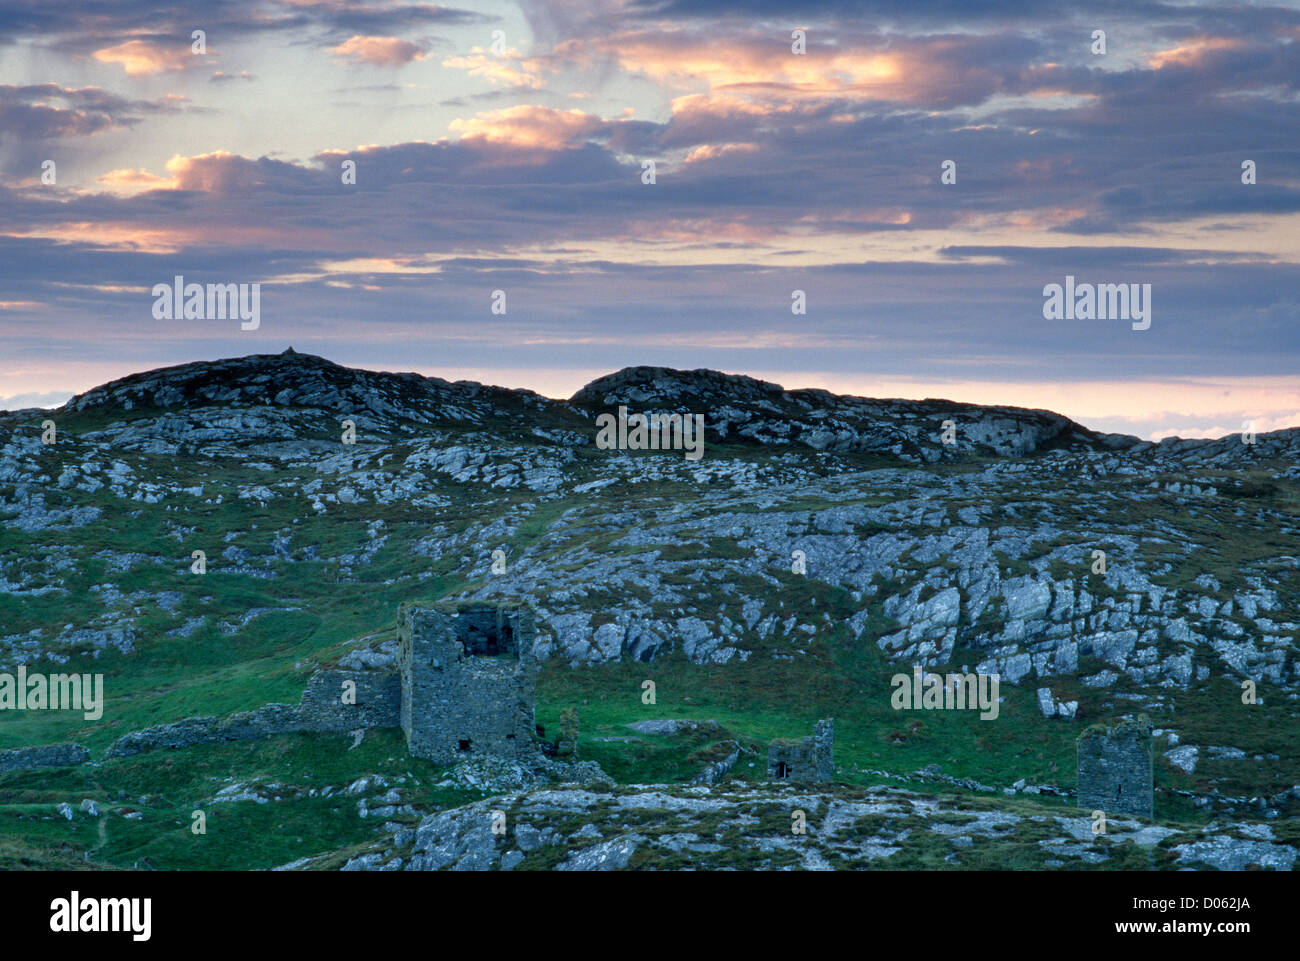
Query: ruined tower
{"points": [[807, 760], [1115, 768], [469, 681]]}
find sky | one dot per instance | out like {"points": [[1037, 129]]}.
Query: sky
{"points": [[503, 147]]}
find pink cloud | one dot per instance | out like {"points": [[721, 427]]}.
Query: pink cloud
{"points": [[508, 69], [718, 151], [530, 127], [378, 51], [1194, 52], [139, 58]]}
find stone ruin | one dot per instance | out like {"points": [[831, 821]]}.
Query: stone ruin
{"points": [[1115, 768], [468, 681], [464, 684], [805, 760]]}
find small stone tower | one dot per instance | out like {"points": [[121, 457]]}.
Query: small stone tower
{"points": [[469, 681], [1115, 768], [807, 760]]}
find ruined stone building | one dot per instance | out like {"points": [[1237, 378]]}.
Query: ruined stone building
{"points": [[468, 681], [464, 683], [807, 760], [1115, 768]]}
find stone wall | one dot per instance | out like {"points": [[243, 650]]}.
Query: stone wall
{"points": [[469, 681], [271, 719], [378, 701], [48, 755], [806, 760], [712, 773], [824, 749], [1115, 768], [321, 709]]}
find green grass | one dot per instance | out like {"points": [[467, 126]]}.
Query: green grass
{"points": [[166, 786]]}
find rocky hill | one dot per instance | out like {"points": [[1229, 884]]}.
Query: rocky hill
{"points": [[820, 545]]}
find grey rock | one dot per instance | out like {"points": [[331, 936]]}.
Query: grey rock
{"points": [[609, 855], [1183, 757], [1230, 854]]}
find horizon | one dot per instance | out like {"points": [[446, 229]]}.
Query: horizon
{"points": [[994, 205], [569, 395]]}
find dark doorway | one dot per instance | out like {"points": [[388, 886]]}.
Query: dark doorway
{"points": [[464, 744], [782, 769]]}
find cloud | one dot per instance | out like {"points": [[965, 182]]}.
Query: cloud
{"points": [[711, 152], [82, 29], [48, 111], [378, 51], [508, 68], [127, 181], [141, 58], [38, 121], [680, 57], [1259, 423], [530, 128], [1194, 52], [46, 399]]}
